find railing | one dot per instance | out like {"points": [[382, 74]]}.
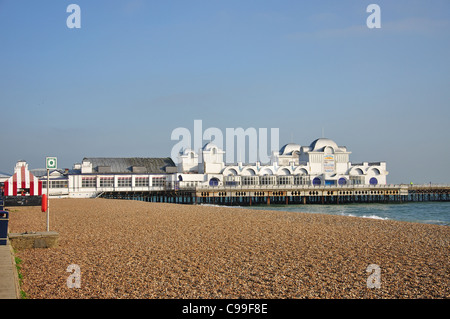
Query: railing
{"points": [[290, 186], [428, 185], [99, 194], [180, 187]]}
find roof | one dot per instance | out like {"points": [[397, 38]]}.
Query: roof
{"points": [[186, 151], [125, 165], [208, 146], [320, 143], [4, 174], [41, 172], [289, 149]]}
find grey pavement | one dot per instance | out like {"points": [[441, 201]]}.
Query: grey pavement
{"points": [[9, 282]]}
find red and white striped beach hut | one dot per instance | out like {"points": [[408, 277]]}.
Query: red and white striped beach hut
{"points": [[22, 183]]}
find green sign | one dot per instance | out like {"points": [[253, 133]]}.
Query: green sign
{"points": [[50, 162]]}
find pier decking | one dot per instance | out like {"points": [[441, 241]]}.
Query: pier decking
{"points": [[422, 193], [290, 194]]}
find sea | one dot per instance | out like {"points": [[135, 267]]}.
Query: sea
{"points": [[437, 213]]}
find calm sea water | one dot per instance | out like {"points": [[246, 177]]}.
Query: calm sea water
{"points": [[425, 212]]}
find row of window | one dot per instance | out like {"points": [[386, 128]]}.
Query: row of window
{"points": [[267, 180], [55, 184], [91, 182], [293, 180]]}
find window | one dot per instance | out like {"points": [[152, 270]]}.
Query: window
{"points": [[342, 181], [158, 181], [301, 180], [124, 182], [88, 182], [141, 182], [106, 181], [190, 184], [267, 180], [317, 181], [56, 184], [232, 180], [214, 181], [59, 184], [249, 180], [284, 180], [357, 180], [373, 181]]}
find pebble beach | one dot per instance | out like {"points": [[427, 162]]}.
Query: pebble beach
{"points": [[137, 250]]}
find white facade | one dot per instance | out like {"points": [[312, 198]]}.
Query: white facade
{"points": [[321, 163], [85, 186], [97, 175]]}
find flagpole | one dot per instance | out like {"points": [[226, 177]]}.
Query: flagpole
{"points": [[48, 208]]}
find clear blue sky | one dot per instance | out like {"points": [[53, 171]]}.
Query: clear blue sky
{"points": [[136, 70]]}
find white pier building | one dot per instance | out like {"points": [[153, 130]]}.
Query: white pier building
{"points": [[322, 163]]}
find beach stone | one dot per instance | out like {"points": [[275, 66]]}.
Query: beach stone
{"points": [[134, 250]]}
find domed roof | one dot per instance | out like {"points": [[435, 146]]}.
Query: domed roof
{"points": [[209, 146], [288, 149], [186, 151], [319, 144]]}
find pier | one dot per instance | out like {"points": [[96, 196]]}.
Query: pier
{"points": [[289, 194], [425, 193]]}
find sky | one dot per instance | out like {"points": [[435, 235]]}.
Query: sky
{"points": [[136, 70]]}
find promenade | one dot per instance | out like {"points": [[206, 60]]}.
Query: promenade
{"points": [[9, 288]]}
